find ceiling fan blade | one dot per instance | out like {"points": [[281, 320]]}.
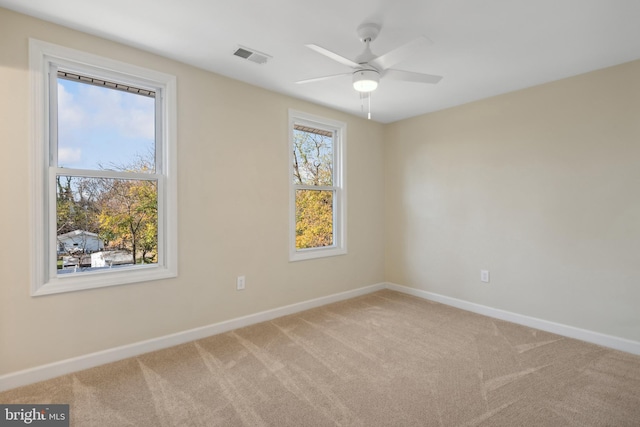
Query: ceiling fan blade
{"points": [[318, 79], [400, 53], [408, 76], [334, 56]]}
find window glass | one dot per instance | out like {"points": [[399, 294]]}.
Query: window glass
{"points": [[115, 217], [102, 128], [312, 156], [314, 218]]}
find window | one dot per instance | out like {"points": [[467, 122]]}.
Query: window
{"points": [[104, 179], [317, 211]]}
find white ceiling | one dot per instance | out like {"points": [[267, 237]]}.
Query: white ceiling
{"points": [[482, 48]]}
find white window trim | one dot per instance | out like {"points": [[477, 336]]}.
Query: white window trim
{"points": [[44, 281], [340, 203]]}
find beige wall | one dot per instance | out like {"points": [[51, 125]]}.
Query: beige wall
{"points": [[233, 213], [539, 186]]}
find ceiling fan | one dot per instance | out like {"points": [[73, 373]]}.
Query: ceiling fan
{"points": [[369, 68]]}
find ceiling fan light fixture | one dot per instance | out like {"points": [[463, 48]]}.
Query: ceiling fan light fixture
{"points": [[366, 80]]}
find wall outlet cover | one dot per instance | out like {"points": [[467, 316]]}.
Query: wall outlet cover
{"points": [[484, 276]]}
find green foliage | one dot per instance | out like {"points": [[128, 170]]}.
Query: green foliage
{"points": [[75, 204], [314, 218], [129, 216]]}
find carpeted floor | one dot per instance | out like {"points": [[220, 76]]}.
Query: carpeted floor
{"points": [[384, 359]]}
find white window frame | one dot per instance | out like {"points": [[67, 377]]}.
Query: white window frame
{"points": [[339, 130], [43, 57]]}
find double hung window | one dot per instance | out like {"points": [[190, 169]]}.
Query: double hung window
{"points": [[104, 176], [317, 187]]}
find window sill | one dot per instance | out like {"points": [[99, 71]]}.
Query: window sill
{"points": [[305, 254], [92, 280]]}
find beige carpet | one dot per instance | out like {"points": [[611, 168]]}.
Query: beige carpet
{"points": [[384, 359]]}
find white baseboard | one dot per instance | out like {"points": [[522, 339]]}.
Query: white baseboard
{"points": [[604, 340], [67, 366]]}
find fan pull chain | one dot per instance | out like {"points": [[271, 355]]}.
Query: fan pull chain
{"points": [[366, 96]]}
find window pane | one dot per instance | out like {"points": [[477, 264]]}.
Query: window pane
{"points": [[312, 156], [314, 218], [101, 128], [104, 222]]}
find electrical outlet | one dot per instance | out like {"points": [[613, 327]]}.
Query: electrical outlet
{"points": [[240, 281], [484, 276]]}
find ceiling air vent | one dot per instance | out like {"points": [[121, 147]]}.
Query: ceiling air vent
{"points": [[251, 55]]}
